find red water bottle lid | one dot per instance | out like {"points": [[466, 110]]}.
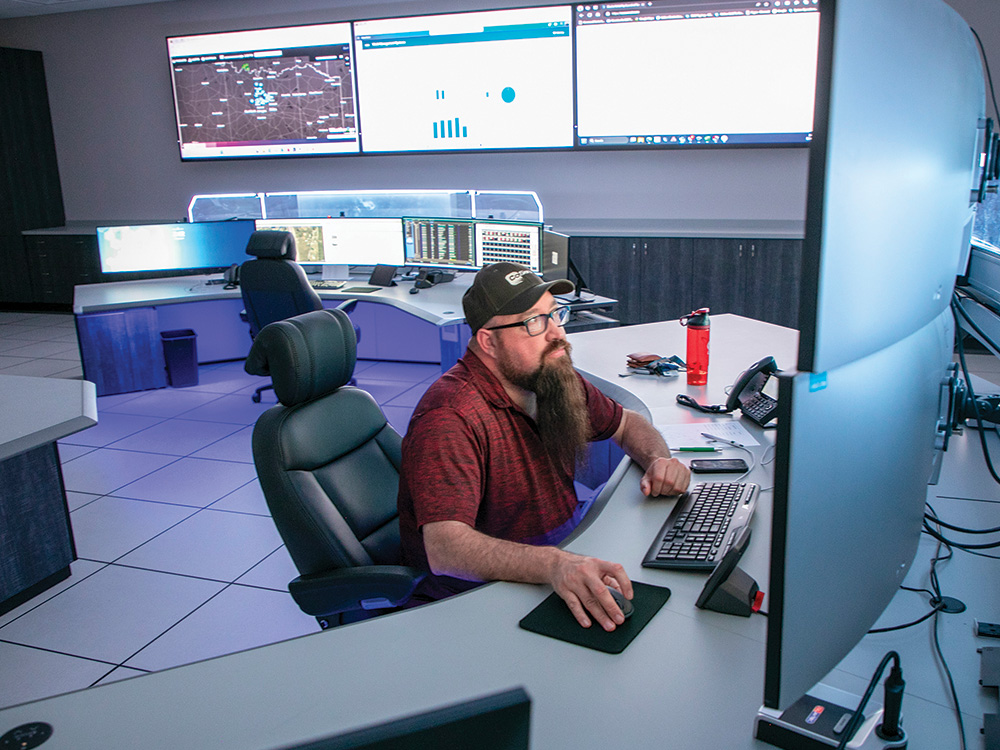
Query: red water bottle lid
{"points": [[698, 318]]}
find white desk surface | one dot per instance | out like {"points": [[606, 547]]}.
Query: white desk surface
{"points": [[37, 411], [440, 305], [691, 678]]}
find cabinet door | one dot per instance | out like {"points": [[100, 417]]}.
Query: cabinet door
{"points": [[611, 267], [717, 275], [666, 291], [121, 351], [15, 281], [772, 287]]}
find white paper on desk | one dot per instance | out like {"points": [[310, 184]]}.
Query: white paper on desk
{"points": [[689, 435]]}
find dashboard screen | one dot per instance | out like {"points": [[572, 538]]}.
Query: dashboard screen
{"points": [[466, 81], [343, 241], [267, 92], [173, 247], [668, 72]]}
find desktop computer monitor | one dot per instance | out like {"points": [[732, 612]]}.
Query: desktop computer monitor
{"points": [[855, 450], [448, 244], [343, 241], [891, 172], [173, 248], [501, 721], [509, 241]]}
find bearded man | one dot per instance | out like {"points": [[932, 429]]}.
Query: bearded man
{"points": [[486, 486]]}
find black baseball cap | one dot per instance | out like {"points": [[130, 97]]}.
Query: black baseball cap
{"points": [[506, 288]]}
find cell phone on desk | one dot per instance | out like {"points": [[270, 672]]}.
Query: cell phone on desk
{"points": [[719, 466]]}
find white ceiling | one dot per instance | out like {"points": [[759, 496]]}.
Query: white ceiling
{"points": [[20, 8]]}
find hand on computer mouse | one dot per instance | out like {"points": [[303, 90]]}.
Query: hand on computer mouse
{"points": [[624, 604]]}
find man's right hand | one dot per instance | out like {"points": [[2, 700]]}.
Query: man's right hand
{"points": [[583, 582]]}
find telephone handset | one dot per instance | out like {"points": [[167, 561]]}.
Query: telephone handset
{"points": [[747, 394]]}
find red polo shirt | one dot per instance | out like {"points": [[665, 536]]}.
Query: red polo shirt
{"points": [[471, 455]]}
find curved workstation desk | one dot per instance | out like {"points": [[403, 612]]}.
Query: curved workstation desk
{"points": [[690, 679], [119, 324]]}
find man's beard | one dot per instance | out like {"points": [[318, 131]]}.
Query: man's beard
{"points": [[562, 418]]}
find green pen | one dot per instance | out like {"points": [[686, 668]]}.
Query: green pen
{"points": [[699, 449]]}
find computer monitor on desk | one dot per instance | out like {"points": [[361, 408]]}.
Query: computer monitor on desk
{"points": [[859, 425], [147, 250], [501, 721], [470, 244], [343, 241]]}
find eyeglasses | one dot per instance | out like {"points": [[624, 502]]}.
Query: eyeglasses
{"points": [[537, 324]]}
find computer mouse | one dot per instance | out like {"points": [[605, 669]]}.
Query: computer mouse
{"points": [[414, 290], [624, 604]]}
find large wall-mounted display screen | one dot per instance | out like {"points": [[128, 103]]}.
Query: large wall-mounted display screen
{"points": [[267, 92], [666, 72], [633, 75], [495, 79]]}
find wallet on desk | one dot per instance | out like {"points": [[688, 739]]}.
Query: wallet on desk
{"points": [[553, 618]]}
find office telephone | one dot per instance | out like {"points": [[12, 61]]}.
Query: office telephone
{"points": [[747, 394]]}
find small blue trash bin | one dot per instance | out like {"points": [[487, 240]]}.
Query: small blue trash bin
{"points": [[180, 352]]}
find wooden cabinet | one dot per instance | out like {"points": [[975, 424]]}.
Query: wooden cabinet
{"points": [[664, 278], [57, 263]]}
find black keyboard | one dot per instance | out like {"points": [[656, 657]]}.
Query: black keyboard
{"points": [[701, 527], [326, 284]]}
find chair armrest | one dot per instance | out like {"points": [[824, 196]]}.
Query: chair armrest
{"points": [[347, 589]]}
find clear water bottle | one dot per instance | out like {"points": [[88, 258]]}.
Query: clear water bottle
{"points": [[699, 327]]}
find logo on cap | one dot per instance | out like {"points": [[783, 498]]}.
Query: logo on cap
{"points": [[515, 277]]}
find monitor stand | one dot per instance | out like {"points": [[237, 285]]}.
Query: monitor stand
{"points": [[813, 721], [338, 271]]}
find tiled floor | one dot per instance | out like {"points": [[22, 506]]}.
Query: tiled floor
{"points": [[178, 558]]}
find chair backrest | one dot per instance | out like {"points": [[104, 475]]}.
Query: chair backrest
{"points": [[273, 285], [327, 459]]}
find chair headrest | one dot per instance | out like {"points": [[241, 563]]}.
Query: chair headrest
{"points": [[270, 243], [306, 356]]}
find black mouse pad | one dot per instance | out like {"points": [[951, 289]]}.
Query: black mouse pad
{"points": [[553, 618]]}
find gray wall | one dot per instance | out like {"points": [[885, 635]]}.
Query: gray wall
{"points": [[109, 90]]}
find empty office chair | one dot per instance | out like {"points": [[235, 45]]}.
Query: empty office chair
{"points": [[328, 464], [273, 285]]}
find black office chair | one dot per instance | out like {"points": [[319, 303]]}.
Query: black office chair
{"points": [[274, 286], [328, 463]]}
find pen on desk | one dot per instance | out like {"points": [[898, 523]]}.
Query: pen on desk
{"points": [[699, 449], [723, 440]]}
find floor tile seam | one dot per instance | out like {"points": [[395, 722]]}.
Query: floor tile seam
{"points": [[235, 512], [75, 583], [260, 587], [110, 671], [69, 438], [113, 496], [171, 627], [119, 564], [58, 652], [190, 454], [136, 479]]}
